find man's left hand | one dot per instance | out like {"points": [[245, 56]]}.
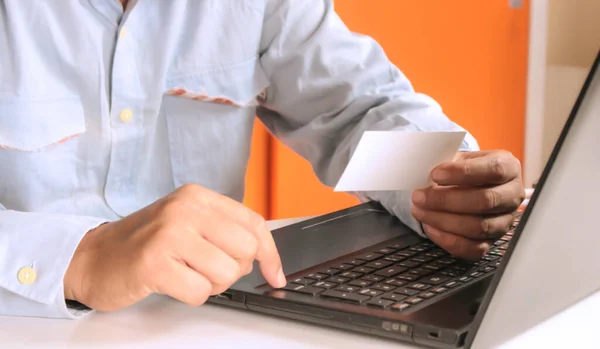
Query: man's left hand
{"points": [[472, 202]]}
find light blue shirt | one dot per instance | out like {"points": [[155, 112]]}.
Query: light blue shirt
{"points": [[103, 112]]}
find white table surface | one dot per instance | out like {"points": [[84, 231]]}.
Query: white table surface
{"points": [[160, 322]]}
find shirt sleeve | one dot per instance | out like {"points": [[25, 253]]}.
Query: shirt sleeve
{"points": [[35, 251], [329, 85]]}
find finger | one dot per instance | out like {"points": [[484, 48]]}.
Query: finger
{"points": [[469, 226], [267, 254], [210, 261], [472, 200], [457, 246], [183, 283], [231, 238], [220, 288], [489, 168]]}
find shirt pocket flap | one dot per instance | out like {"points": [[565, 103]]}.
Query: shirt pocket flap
{"points": [[31, 125], [241, 85]]}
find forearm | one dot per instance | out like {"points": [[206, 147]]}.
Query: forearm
{"points": [[329, 85]]}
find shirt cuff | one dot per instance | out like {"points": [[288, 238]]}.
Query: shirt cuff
{"points": [[45, 244]]}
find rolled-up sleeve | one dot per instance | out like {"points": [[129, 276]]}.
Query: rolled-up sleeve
{"points": [[35, 252], [329, 85]]}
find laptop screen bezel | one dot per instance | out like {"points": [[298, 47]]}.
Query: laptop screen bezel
{"points": [[531, 205]]}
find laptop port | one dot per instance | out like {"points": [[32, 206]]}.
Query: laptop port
{"points": [[434, 335], [225, 295]]}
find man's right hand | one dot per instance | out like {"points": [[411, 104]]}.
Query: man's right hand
{"points": [[189, 245]]}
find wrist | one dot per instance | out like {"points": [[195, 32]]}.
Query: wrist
{"points": [[73, 281]]}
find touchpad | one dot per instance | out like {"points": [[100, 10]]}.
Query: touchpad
{"points": [[306, 244]]}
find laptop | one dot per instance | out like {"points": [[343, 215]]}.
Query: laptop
{"points": [[362, 270]]}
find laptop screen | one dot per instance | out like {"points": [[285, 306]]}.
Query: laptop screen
{"points": [[553, 260]]}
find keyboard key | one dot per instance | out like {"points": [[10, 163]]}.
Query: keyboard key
{"points": [[330, 271], [391, 271], [406, 291], [476, 274], [383, 287], [313, 291], [465, 279], [325, 284], [421, 259], [370, 256], [303, 281], [451, 284], [435, 279], [379, 264], [396, 282], [436, 253], [373, 277], [362, 270], [337, 280], [380, 303], [393, 296], [499, 242], [351, 297], [413, 300], [409, 264], [439, 289], [420, 248], [351, 275], [498, 252], [400, 306], [405, 253], [487, 269], [360, 283], [435, 266], [397, 246], [386, 251], [447, 260], [419, 286], [348, 288], [427, 295], [488, 257], [343, 266], [497, 264], [317, 276], [370, 292], [407, 277], [503, 247], [394, 259], [421, 271], [355, 262]]}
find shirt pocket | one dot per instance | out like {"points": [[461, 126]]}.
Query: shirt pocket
{"points": [[33, 125], [210, 121]]}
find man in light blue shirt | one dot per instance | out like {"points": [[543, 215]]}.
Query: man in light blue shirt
{"points": [[125, 132]]}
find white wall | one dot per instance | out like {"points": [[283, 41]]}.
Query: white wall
{"points": [[564, 39]]}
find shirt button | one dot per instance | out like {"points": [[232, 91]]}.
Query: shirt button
{"points": [[126, 115], [123, 32], [26, 275]]}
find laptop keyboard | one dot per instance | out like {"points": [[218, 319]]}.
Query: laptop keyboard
{"points": [[398, 277]]}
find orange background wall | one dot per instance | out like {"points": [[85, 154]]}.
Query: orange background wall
{"points": [[470, 55]]}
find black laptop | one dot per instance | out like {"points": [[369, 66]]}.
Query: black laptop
{"points": [[362, 270]]}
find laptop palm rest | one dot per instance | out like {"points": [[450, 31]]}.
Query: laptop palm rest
{"points": [[309, 243]]}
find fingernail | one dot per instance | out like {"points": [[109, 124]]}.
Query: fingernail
{"points": [[417, 212], [440, 175], [418, 197], [430, 232], [485, 246], [281, 281]]}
